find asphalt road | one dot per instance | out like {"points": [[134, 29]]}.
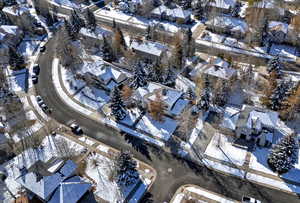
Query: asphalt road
{"points": [[172, 172]]}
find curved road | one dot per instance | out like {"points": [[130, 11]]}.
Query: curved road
{"points": [[171, 172]]}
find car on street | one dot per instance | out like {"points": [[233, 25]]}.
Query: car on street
{"points": [[76, 129], [36, 69], [34, 78], [247, 199], [42, 104], [42, 49]]}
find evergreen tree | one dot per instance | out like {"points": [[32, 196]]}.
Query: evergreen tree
{"points": [[90, 19], [185, 4], [205, 97], [139, 77], [190, 94], [275, 65], [284, 154], [168, 78], [68, 29], [148, 33], [76, 22], [4, 20], [280, 94], [117, 106], [126, 173], [108, 54], [16, 61], [197, 9], [114, 24]]}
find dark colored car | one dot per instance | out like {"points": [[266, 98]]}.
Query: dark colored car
{"points": [[42, 49], [76, 129], [34, 79], [36, 69]]}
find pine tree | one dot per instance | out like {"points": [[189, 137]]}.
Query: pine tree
{"points": [[76, 22], [275, 65], [114, 24], [108, 54], [190, 94], [16, 61], [90, 19], [205, 97], [197, 9], [284, 154], [126, 173], [168, 78], [117, 106], [139, 77], [280, 94], [185, 4], [148, 33], [68, 29], [4, 20]]}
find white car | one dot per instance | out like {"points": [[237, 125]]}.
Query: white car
{"points": [[250, 200]]}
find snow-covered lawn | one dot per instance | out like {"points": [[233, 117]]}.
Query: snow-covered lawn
{"points": [[96, 94], [228, 152], [70, 83], [105, 188], [259, 159], [86, 140], [87, 101], [162, 130]]}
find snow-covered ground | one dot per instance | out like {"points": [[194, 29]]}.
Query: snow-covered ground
{"points": [[220, 147], [70, 83], [162, 130], [106, 188]]}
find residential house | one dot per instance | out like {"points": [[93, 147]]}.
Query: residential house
{"points": [[104, 75], [172, 98], [277, 31], [228, 25], [256, 124], [215, 68], [19, 15], [59, 187], [177, 14], [10, 35], [148, 49], [94, 39], [222, 6]]}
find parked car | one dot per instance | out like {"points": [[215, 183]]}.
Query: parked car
{"points": [[76, 129], [42, 49], [42, 104], [34, 79], [250, 200], [36, 69], [39, 99]]}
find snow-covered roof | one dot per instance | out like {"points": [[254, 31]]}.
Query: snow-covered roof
{"points": [[250, 113], [168, 95], [152, 48], [44, 186], [177, 12], [67, 3], [219, 68], [231, 23], [71, 190], [226, 4], [97, 34], [278, 26], [269, 4], [15, 10], [230, 118], [9, 29]]}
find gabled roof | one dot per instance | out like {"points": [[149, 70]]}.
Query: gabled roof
{"points": [[231, 23], [226, 4], [97, 34], [70, 190], [16, 10], [46, 185], [152, 48], [278, 26], [9, 29], [177, 12]]}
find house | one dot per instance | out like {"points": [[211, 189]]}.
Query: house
{"points": [[171, 97], [104, 75], [177, 14], [148, 49], [256, 124], [222, 6], [216, 68], [94, 39], [277, 31], [228, 25], [19, 15], [59, 187], [10, 35]]}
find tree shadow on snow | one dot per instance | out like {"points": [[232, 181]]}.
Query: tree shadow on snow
{"points": [[138, 144]]}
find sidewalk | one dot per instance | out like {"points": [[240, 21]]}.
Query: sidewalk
{"points": [[92, 114]]}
